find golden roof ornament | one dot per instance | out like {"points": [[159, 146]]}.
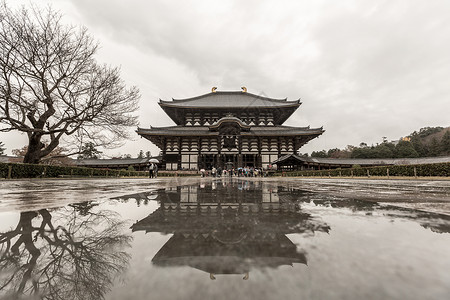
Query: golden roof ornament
{"points": [[244, 89], [213, 90]]}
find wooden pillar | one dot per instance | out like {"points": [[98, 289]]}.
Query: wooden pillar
{"points": [[239, 138], [199, 149], [258, 156], [179, 141], [279, 146], [164, 145], [259, 161], [219, 150], [259, 145]]}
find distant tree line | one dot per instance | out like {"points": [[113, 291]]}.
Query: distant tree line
{"points": [[427, 142]]}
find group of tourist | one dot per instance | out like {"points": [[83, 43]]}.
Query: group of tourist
{"points": [[240, 172]]}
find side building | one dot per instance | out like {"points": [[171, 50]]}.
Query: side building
{"points": [[228, 130], [138, 164]]}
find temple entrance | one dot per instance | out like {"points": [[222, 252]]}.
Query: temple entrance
{"points": [[207, 161], [228, 161], [249, 160]]}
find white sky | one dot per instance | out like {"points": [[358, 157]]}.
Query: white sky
{"points": [[363, 69]]}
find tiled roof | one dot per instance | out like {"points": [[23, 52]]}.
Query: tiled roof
{"points": [[229, 100], [204, 131], [113, 161], [10, 159], [367, 161]]}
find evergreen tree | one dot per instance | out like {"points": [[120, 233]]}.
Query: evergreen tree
{"points": [[383, 151], [425, 142], [434, 147], [426, 131], [445, 143], [333, 152], [148, 154], [421, 149], [322, 153], [88, 151], [2, 148], [141, 154], [405, 149], [362, 153]]}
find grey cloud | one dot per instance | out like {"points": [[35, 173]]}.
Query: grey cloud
{"points": [[363, 69]]}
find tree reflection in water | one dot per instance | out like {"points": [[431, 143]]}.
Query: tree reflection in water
{"points": [[67, 253]]}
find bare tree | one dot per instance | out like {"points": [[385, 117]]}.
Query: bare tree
{"points": [[51, 87]]}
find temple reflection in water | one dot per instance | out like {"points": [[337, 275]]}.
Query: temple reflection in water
{"points": [[83, 250], [228, 227]]}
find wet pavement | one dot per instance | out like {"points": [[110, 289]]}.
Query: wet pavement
{"points": [[240, 238]]}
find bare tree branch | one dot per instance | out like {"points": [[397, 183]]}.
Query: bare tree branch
{"points": [[51, 87], [72, 253]]}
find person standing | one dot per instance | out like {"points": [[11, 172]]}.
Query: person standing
{"points": [[151, 169], [219, 171]]}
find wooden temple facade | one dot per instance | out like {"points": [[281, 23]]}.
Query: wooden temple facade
{"points": [[227, 130]]}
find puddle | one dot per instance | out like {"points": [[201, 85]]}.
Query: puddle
{"points": [[220, 239]]}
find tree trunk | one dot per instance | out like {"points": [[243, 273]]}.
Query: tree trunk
{"points": [[34, 154], [25, 228]]}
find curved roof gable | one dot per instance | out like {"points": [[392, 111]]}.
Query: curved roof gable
{"points": [[237, 121], [229, 99]]}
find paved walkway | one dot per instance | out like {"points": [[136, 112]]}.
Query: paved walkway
{"points": [[35, 194], [428, 195]]}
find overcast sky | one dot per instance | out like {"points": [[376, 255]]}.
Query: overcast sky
{"points": [[363, 69]]}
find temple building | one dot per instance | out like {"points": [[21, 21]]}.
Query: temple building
{"points": [[227, 129]]}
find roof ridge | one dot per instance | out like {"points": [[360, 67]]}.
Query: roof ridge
{"points": [[228, 92]]}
